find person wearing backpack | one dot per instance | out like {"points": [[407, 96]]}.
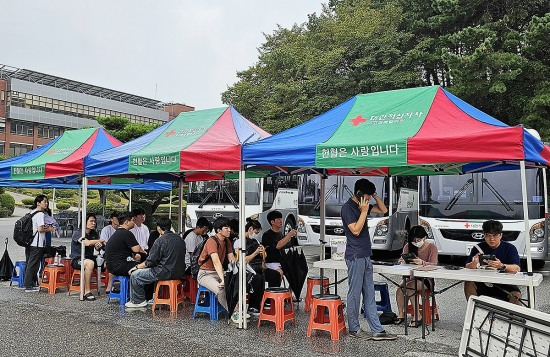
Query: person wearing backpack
{"points": [[194, 237], [35, 251], [214, 252]]}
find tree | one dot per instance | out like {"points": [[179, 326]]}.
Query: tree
{"points": [[124, 130]]}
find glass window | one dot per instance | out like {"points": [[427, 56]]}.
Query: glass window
{"points": [[2, 125], [17, 149], [2, 148]]}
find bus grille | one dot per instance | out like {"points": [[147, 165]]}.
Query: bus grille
{"points": [[212, 215], [329, 230], [465, 235]]}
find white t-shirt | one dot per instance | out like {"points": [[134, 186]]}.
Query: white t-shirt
{"points": [[142, 235], [107, 232], [191, 242], [37, 221]]}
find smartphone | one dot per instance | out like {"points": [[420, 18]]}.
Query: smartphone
{"points": [[484, 257], [408, 257], [359, 194]]}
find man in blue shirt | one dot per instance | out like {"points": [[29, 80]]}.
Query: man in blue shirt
{"points": [[507, 261], [358, 252]]}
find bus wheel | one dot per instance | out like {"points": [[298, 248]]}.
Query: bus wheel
{"points": [[290, 224]]}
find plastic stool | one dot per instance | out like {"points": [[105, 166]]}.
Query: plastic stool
{"points": [[426, 305], [68, 268], [190, 289], [18, 276], [311, 282], [175, 294], [75, 282], [317, 318], [210, 305], [123, 296], [53, 277], [384, 303], [277, 312]]}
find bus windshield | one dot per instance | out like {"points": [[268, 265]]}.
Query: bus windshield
{"points": [[338, 189], [223, 192], [489, 195]]}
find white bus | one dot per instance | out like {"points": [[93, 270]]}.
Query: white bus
{"points": [[453, 208], [297, 198]]}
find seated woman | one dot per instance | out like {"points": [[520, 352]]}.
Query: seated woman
{"points": [[91, 242], [426, 254]]}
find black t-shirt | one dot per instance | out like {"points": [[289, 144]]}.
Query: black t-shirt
{"points": [[251, 246], [270, 240], [76, 247], [119, 248]]}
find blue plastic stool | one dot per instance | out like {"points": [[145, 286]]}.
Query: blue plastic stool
{"points": [[384, 303], [210, 306], [18, 277], [123, 296]]}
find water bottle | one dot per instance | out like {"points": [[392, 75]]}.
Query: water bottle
{"points": [[57, 259]]}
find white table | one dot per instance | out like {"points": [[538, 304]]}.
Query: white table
{"points": [[476, 275]]}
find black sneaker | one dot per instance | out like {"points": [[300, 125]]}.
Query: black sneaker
{"points": [[383, 336], [360, 334]]}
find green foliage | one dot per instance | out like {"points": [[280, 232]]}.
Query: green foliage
{"points": [[494, 54], [48, 192], [94, 207], [113, 197], [122, 129], [93, 194], [62, 206], [65, 193], [2, 190], [7, 202], [27, 201]]}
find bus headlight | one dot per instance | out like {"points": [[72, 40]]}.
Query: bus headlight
{"points": [[381, 228], [301, 226], [537, 232], [427, 227], [188, 221]]}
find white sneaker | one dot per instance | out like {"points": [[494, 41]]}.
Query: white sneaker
{"points": [[236, 318], [130, 304]]}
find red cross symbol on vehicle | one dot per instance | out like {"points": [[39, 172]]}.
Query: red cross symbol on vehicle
{"points": [[358, 120], [466, 225]]}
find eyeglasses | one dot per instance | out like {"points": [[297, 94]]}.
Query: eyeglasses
{"points": [[492, 236]]}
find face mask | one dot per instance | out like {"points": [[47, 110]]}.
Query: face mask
{"points": [[255, 236], [419, 244]]}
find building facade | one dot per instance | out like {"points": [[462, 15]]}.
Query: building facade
{"points": [[36, 107]]}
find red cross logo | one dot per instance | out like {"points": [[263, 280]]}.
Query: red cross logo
{"points": [[51, 151], [358, 120], [466, 225], [168, 133]]}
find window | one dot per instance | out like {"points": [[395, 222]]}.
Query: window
{"points": [[21, 128], [2, 96], [17, 149], [2, 126], [2, 148]]}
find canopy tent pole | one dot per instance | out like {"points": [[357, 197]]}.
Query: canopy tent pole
{"points": [[180, 205], [242, 253], [390, 192], [130, 203], [322, 222], [527, 236], [82, 235], [53, 200], [545, 199], [79, 205], [170, 205]]}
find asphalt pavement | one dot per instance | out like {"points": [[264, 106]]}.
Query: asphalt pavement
{"points": [[39, 324]]}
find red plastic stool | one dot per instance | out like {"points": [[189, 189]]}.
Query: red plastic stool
{"points": [[276, 312], [425, 304], [190, 289], [319, 321], [173, 297], [311, 282], [75, 282], [68, 268], [53, 278]]}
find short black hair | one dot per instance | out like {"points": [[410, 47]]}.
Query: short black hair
{"points": [[125, 216], [221, 222], [37, 200], [164, 223], [234, 225], [114, 214], [364, 186], [492, 227], [273, 215], [202, 222], [138, 211]]}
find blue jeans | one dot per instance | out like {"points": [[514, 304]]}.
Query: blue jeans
{"points": [[360, 280], [138, 280]]}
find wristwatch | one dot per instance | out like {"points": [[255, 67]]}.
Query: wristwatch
{"points": [[503, 268], [374, 195]]}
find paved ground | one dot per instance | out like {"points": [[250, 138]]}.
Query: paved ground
{"points": [[61, 325]]}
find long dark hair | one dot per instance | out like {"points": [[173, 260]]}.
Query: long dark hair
{"points": [[254, 223], [415, 232], [37, 200]]}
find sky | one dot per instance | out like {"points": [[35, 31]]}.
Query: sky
{"points": [[175, 51]]}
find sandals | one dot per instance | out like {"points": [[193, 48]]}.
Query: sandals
{"points": [[89, 297], [398, 320], [415, 324]]}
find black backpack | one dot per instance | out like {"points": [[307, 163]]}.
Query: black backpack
{"points": [[22, 232]]}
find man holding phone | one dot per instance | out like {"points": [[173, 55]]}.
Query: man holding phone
{"points": [[358, 252], [505, 258]]}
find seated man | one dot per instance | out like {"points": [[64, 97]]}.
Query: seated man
{"points": [[214, 252], [507, 260], [139, 229], [195, 237], [273, 241], [121, 252], [166, 261]]}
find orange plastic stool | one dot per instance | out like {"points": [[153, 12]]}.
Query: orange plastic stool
{"points": [[68, 268], [318, 320], [276, 312], [427, 306], [190, 289], [53, 278], [175, 294], [311, 282], [75, 282]]}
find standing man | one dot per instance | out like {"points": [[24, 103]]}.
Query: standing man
{"points": [[166, 261], [358, 252], [140, 230]]}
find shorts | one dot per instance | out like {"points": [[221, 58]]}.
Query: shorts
{"points": [[498, 291], [122, 268], [75, 263]]}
